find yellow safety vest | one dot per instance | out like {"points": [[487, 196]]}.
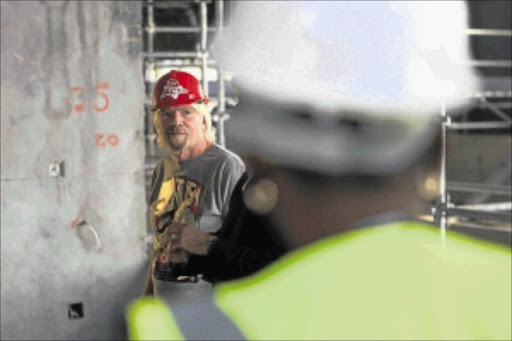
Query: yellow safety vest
{"points": [[391, 282]]}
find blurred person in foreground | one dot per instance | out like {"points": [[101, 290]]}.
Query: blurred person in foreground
{"points": [[337, 117], [201, 234]]}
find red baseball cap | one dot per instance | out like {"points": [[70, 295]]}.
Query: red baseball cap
{"points": [[177, 88]]}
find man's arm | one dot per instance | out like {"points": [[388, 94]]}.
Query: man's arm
{"points": [[244, 247], [245, 243], [189, 238]]}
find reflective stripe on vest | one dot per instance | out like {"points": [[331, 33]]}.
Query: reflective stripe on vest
{"points": [[152, 319]]}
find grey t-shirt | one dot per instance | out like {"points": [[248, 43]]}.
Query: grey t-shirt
{"points": [[196, 192]]}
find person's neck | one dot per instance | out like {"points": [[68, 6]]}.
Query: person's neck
{"points": [[192, 152], [335, 213]]}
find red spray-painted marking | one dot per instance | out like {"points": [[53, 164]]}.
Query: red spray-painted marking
{"points": [[77, 219], [113, 139], [103, 140], [99, 140], [101, 100], [103, 95]]}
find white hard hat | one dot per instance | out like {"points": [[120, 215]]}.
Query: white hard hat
{"points": [[372, 61]]}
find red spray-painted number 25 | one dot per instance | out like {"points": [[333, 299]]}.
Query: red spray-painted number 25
{"points": [[101, 99]]}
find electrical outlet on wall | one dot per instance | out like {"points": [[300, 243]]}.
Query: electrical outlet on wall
{"points": [[56, 169], [76, 311]]}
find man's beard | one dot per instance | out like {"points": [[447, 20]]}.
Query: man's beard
{"points": [[175, 144]]}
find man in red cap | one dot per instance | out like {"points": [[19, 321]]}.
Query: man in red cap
{"points": [[195, 198]]}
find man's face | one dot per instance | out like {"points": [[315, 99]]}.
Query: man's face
{"points": [[183, 126]]}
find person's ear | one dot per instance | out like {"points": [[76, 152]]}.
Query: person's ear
{"points": [[428, 172], [261, 191], [261, 197], [428, 183]]}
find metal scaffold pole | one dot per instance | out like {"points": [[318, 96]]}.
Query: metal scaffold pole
{"points": [[442, 210], [204, 52], [151, 136], [222, 90]]}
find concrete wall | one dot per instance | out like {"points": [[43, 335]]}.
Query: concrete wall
{"points": [[71, 91]]}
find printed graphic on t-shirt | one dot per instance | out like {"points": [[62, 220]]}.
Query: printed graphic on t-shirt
{"points": [[178, 201]]}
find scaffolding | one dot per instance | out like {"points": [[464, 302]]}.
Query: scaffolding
{"points": [[488, 215], [476, 206]]}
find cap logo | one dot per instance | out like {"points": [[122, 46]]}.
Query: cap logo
{"points": [[173, 89]]}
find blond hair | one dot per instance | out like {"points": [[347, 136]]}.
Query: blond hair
{"points": [[162, 138]]}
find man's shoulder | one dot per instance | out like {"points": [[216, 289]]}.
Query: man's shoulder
{"points": [[231, 159], [164, 168], [166, 161]]}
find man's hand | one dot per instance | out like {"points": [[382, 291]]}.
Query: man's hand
{"points": [[188, 238], [172, 256]]}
